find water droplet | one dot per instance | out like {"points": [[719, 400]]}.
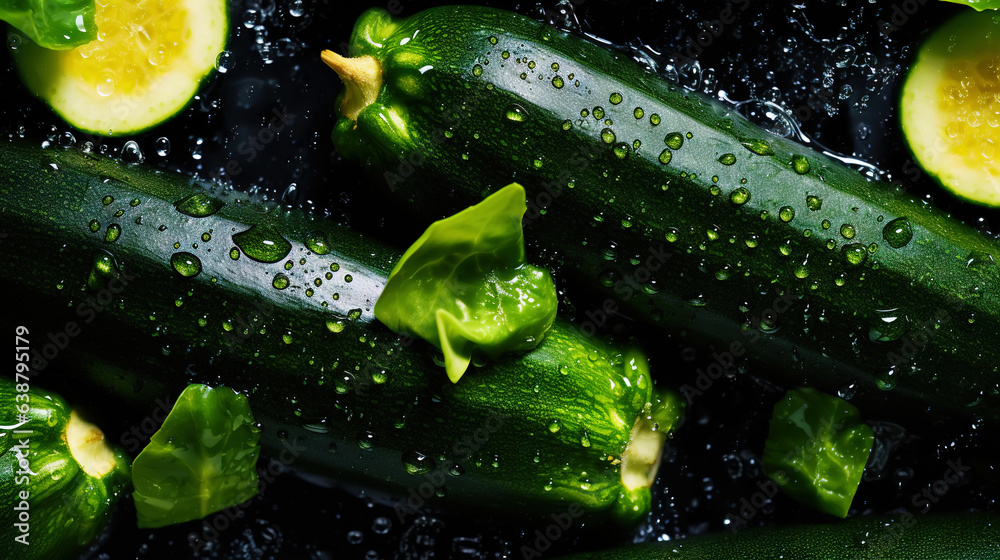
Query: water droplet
{"points": [[847, 230], [199, 205], [621, 151], [886, 380], [727, 159], [107, 200], [558, 82], [608, 136], [162, 146], [366, 440], [381, 525], [800, 164], [554, 426], [615, 98], [335, 325], [598, 112], [113, 232], [897, 233], [740, 196], [759, 147], [280, 281], [638, 113], [654, 119], [417, 463], [666, 156], [131, 152], [814, 203], [262, 244], [94, 226], [317, 243], [674, 140], [786, 214], [855, 254], [567, 124], [185, 264], [516, 113]]}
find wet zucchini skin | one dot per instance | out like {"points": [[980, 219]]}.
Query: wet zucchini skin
{"points": [[969, 536], [336, 393], [820, 276]]}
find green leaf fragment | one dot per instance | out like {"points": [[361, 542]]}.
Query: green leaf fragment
{"points": [[464, 285], [978, 5], [816, 449], [53, 24], [203, 459]]}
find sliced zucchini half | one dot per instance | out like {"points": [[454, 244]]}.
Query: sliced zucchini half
{"points": [[148, 61], [950, 106]]}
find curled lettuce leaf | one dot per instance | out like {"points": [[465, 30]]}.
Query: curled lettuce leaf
{"points": [[53, 24], [464, 285], [203, 459], [817, 448]]}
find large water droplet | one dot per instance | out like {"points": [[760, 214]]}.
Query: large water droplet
{"points": [[417, 463], [516, 113], [186, 264], [897, 233], [262, 244], [199, 205]]}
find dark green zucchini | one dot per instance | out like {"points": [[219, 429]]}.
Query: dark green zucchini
{"points": [[60, 481], [903, 536], [777, 253], [150, 282]]}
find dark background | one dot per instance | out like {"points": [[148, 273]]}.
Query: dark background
{"points": [[834, 66]]}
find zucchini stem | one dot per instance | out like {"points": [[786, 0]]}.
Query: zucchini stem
{"points": [[641, 458], [87, 445], [363, 77]]}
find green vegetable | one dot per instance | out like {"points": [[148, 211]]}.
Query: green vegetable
{"points": [[780, 258], [59, 479], [978, 5], [277, 304], [129, 81], [817, 448], [52, 24], [464, 285], [202, 460], [902, 536], [948, 106]]}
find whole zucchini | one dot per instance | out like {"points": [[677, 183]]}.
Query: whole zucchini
{"points": [[152, 282], [776, 252], [902, 536], [59, 479]]}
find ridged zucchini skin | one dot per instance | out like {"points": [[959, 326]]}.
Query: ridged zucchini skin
{"points": [[822, 277], [61, 509], [969, 536], [336, 393]]}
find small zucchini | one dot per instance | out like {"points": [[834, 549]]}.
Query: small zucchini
{"points": [[59, 479], [277, 303], [777, 253]]}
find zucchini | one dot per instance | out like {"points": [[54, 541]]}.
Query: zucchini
{"points": [[59, 479], [216, 287], [902, 536], [949, 110], [778, 255], [148, 62]]}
